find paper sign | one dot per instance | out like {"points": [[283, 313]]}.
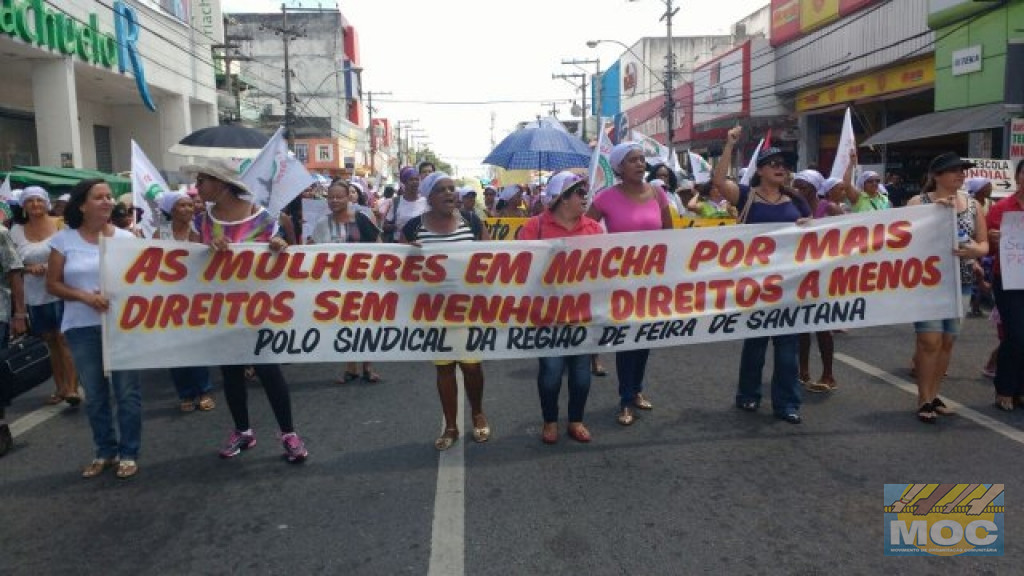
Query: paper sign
{"points": [[1011, 250]]}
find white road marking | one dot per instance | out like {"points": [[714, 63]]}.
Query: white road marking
{"points": [[448, 531], [35, 418], [978, 418]]}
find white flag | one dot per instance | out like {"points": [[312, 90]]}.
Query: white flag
{"points": [[752, 165], [653, 150], [147, 186], [5, 189], [601, 174], [847, 142], [701, 168], [275, 177]]}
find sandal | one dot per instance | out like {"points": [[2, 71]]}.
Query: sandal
{"points": [[187, 406], [446, 439], [626, 416], [579, 433], [206, 403], [73, 400], [926, 413], [747, 406], [370, 377], [97, 466], [642, 403], [249, 374], [940, 407], [1004, 403], [53, 399], [549, 433], [348, 377], [481, 433], [127, 469], [598, 370]]}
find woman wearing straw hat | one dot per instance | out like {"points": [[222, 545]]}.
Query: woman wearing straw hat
{"points": [[231, 217]]}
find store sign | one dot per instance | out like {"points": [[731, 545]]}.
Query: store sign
{"points": [[816, 13], [207, 19], [917, 74], [34, 23], [791, 19], [721, 87], [1016, 140], [999, 172], [630, 79], [942, 13], [967, 60]]}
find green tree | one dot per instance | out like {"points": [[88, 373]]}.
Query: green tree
{"points": [[427, 155]]}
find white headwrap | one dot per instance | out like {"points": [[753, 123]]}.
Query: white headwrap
{"points": [[865, 177], [659, 183], [427, 184], [560, 183], [812, 177], [619, 152], [828, 186], [34, 192], [168, 200], [508, 192], [976, 184]]}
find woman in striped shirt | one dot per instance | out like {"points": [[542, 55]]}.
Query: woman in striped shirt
{"points": [[444, 223]]}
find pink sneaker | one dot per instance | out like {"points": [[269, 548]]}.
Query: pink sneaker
{"points": [[237, 442], [294, 450]]}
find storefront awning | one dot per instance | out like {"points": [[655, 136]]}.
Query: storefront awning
{"points": [[942, 123]]}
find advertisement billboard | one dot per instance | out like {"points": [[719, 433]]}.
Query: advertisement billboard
{"points": [[792, 19], [721, 88]]}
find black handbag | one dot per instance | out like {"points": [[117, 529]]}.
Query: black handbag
{"points": [[24, 364]]}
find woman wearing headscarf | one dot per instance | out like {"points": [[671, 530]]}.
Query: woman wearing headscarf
{"points": [[981, 190], [191, 382], [563, 218], [935, 338], [767, 199], [510, 202], [345, 223], [867, 194], [73, 275], [32, 238], [632, 205], [443, 223], [231, 218], [405, 206], [1009, 377]]}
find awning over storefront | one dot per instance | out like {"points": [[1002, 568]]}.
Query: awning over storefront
{"points": [[60, 180], [942, 123]]}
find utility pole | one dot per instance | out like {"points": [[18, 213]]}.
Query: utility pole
{"points": [[670, 67], [583, 114], [287, 34], [231, 54], [373, 132], [597, 91]]}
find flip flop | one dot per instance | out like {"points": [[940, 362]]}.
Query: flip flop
{"points": [[371, 377]]}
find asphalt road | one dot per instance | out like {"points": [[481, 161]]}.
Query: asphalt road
{"points": [[693, 487]]}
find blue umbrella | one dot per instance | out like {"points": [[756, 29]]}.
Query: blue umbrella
{"points": [[540, 148]]}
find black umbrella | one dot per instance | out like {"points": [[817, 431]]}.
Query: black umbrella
{"points": [[228, 141]]}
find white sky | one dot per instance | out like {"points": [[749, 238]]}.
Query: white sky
{"points": [[491, 50]]}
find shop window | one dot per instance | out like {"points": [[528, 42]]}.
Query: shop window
{"points": [[18, 145], [324, 153], [302, 152], [104, 155]]}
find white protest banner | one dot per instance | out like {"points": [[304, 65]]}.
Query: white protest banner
{"points": [[313, 209], [847, 142], [276, 177], [999, 172], [601, 174], [147, 186], [347, 302], [1011, 250]]}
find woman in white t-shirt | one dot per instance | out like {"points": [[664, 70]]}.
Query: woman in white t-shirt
{"points": [[73, 275], [32, 238], [405, 206]]}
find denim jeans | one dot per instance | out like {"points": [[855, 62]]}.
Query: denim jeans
{"points": [[785, 380], [1009, 379], [549, 384], [630, 366], [87, 351], [191, 381]]}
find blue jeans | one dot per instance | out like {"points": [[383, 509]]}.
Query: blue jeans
{"points": [[549, 384], [785, 380], [87, 351], [630, 366], [191, 381], [1009, 380]]}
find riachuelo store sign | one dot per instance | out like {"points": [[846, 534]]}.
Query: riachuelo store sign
{"points": [[35, 23]]}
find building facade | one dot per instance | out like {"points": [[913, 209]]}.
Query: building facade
{"points": [[82, 78]]}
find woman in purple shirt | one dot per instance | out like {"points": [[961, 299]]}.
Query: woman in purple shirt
{"points": [[767, 199], [631, 206]]}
